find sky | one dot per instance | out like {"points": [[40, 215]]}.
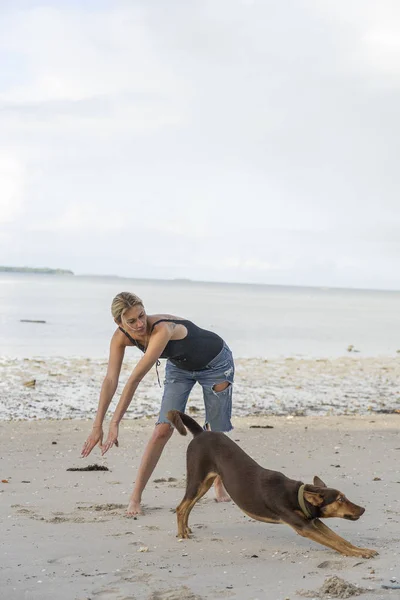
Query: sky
{"points": [[220, 140]]}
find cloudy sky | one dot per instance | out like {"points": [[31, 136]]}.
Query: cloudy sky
{"points": [[221, 140]]}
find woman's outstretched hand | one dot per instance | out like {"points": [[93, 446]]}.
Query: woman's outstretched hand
{"points": [[96, 437], [112, 438]]}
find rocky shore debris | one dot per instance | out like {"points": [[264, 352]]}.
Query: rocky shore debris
{"points": [[68, 387]]}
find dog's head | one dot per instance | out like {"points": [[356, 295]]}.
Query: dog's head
{"points": [[330, 502]]}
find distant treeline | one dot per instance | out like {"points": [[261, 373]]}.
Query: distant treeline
{"points": [[44, 270]]}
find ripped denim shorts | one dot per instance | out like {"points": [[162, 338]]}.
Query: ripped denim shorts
{"points": [[218, 405]]}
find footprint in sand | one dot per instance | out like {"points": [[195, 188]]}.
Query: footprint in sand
{"points": [[68, 519], [137, 543], [173, 481], [28, 512], [103, 507], [182, 593], [115, 509], [65, 560], [58, 517], [331, 564], [111, 594], [25, 511], [127, 577]]}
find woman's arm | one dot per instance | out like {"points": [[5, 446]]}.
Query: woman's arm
{"points": [[110, 382], [158, 340], [107, 392], [157, 343]]}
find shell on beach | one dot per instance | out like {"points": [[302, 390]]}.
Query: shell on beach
{"points": [[30, 383]]}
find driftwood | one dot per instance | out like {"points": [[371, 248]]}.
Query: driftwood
{"points": [[31, 321]]}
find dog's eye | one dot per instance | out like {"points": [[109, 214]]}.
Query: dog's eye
{"points": [[341, 499]]}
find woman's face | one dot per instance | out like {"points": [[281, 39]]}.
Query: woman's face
{"points": [[135, 320]]}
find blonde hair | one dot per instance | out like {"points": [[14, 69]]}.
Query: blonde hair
{"points": [[122, 302]]}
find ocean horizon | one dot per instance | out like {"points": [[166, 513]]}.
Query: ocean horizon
{"points": [[68, 273]]}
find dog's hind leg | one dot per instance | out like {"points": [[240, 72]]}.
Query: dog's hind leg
{"points": [[194, 492]]}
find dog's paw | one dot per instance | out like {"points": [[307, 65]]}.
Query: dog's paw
{"points": [[368, 552], [361, 552], [185, 535]]}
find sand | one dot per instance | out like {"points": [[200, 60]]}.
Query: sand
{"points": [[65, 535]]}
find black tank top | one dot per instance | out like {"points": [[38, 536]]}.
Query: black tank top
{"points": [[193, 352]]}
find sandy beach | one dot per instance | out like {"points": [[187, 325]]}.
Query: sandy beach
{"points": [[65, 534]]}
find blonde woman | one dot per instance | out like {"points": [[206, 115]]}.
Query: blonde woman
{"points": [[193, 355]]}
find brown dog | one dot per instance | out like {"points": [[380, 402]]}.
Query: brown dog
{"points": [[262, 494]]}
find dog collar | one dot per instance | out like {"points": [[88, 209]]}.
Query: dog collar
{"points": [[300, 497]]}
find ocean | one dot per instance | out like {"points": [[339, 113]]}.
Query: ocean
{"points": [[257, 321]]}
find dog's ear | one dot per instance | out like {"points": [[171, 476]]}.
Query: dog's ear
{"points": [[318, 482], [313, 498]]}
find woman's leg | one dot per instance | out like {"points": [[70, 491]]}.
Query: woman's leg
{"points": [[177, 386], [217, 381], [150, 458], [221, 495]]}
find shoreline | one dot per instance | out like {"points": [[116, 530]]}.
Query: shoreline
{"points": [[68, 388], [76, 542]]}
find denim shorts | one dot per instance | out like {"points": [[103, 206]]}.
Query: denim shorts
{"points": [[218, 405]]}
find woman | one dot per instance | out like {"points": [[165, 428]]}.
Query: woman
{"points": [[193, 355]]}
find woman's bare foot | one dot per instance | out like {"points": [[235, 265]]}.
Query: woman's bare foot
{"points": [[134, 508], [221, 494]]}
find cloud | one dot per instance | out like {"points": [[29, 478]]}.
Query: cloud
{"points": [[12, 177], [233, 139], [86, 73], [72, 55], [371, 33], [78, 218]]}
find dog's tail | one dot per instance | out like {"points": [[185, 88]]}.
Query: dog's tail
{"points": [[179, 420]]}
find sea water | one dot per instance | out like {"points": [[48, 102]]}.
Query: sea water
{"points": [[255, 320]]}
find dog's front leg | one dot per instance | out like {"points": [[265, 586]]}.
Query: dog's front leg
{"points": [[193, 493], [318, 532], [356, 551]]}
